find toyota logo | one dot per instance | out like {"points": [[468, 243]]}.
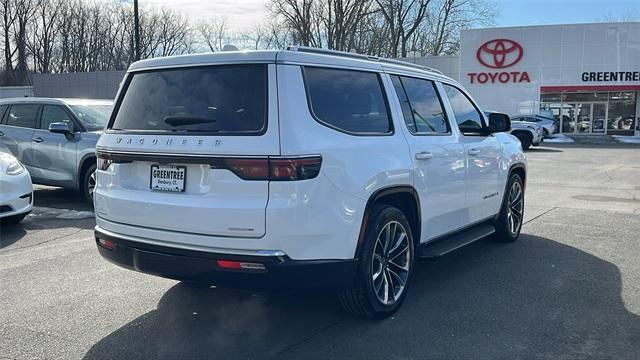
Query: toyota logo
{"points": [[499, 53]]}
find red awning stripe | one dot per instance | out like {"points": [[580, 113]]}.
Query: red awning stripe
{"points": [[590, 88]]}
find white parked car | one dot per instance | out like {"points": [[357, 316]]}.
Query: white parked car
{"points": [[16, 197], [300, 167], [529, 134], [548, 125]]}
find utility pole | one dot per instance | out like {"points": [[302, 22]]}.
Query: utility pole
{"points": [[136, 24]]}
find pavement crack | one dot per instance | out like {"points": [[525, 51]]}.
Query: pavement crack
{"points": [[308, 338], [42, 242], [544, 213]]}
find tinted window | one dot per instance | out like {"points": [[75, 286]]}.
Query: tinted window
{"points": [[421, 107], [2, 109], [22, 115], [467, 116], [220, 99], [93, 117], [52, 114], [348, 100]]}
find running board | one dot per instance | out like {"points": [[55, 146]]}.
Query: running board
{"points": [[457, 241]]}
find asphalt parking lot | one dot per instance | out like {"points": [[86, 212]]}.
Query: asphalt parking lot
{"points": [[568, 289]]}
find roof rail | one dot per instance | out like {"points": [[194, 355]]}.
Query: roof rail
{"points": [[361, 57]]}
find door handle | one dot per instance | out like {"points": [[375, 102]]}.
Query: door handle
{"points": [[37, 139], [1, 133], [424, 155], [473, 152]]}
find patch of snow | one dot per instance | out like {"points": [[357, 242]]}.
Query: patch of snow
{"points": [[559, 138], [627, 139], [61, 213]]}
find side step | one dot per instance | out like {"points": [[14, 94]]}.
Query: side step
{"points": [[456, 241]]}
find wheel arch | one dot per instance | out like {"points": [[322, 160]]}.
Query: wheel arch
{"points": [[520, 169], [86, 161], [405, 198]]}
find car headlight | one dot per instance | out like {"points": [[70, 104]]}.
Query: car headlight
{"points": [[14, 167], [10, 165]]}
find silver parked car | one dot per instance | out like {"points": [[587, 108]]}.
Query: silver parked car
{"points": [[55, 139], [548, 125]]}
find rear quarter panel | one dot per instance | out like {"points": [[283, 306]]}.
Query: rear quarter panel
{"points": [[330, 208]]}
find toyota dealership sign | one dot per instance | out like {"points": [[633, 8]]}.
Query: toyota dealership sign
{"points": [[499, 55]]}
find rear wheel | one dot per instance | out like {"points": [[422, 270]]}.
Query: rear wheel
{"points": [[89, 183], [525, 139], [511, 216], [386, 263]]}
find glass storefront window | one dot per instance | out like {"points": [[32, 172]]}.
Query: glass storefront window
{"points": [[585, 96], [550, 97], [621, 115], [592, 112]]}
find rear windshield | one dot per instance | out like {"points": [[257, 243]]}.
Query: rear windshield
{"points": [[213, 99]]}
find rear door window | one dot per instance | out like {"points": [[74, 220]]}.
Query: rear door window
{"points": [[423, 112], [347, 100], [225, 100], [22, 115]]}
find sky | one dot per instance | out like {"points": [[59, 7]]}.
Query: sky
{"points": [[243, 14]]}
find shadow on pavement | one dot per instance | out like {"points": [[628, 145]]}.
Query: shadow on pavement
{"points": [[49, 204], [543, 150], [535, 298]]}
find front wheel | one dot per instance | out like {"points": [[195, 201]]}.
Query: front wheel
{"points": [[511, 216], [386, 263]]}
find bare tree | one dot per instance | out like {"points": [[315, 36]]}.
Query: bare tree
{"points": [[213, 33], [403, 17], [302, 18]]}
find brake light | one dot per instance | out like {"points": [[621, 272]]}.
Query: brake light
{"points": [[104, 161], [275, 169]]}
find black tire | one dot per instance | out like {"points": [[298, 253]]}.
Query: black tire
{"points": [[12, 220], [87, 189], [361, 300], [525, 139], [545, 132], [503, 225]]}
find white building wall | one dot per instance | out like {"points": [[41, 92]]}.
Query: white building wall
{"points": [[15, 91], [553, 55]]}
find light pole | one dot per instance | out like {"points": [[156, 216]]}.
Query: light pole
{"points": [[136, 25]]}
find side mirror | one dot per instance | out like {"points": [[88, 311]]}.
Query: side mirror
{"points": [[499, 122], [60, 128]]}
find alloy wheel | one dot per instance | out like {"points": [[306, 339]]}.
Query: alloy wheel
{"points": [[516, 207], [391, 263], [91, 184]]}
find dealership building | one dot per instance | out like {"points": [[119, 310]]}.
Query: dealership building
{"points": [[586, 76]]}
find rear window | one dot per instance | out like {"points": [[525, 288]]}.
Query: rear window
{"points": [[347, 100], [214, 99]]}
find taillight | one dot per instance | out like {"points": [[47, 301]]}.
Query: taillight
{"points": [[294, 169], [274, 169], [104, 161], [249, 169]]}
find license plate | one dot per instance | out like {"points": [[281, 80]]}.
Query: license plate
{"points": [[168, 178]]}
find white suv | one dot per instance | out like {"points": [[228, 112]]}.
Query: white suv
{"points": [[300, 167]]}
